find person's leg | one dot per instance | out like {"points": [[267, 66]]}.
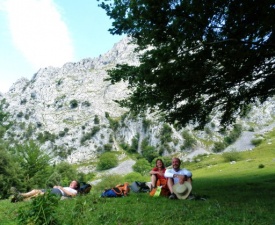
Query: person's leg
{"points": [[153, 180], [32, 193], [170, 183]]}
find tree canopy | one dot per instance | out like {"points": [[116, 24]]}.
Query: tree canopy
{"points": [[201, 56]]}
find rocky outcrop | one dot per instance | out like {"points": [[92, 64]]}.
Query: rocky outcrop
{"points": [[71, 112]]}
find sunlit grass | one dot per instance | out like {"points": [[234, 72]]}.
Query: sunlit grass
{"points": [[240, 192]]}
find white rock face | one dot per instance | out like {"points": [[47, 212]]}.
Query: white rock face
{"points": [[65, 102]]}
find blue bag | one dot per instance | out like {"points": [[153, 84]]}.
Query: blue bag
{"points": [[109, 193]]}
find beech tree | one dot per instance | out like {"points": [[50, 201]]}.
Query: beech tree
{"points": [[202, 56]]}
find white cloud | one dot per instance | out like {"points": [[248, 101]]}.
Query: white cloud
{"points": [[39, 33]]}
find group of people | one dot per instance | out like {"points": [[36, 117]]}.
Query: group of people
{"points": [[177, 181]]}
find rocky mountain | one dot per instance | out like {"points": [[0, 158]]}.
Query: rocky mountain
{"points": [[70, 111]]}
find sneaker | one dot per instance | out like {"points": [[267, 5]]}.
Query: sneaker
{"points": [[16, 196], [13, 191], [173, 196]]}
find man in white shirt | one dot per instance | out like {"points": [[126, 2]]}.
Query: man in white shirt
{"points": [[70, 191], [177, 175]]}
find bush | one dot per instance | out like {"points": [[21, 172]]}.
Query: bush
{"points": [[261, 166], [218, 146], [257, 141], [107, 160], [73, 104], [166, 133], [189, 140], [96, 120], [42, 210], [134, 176], [142, 166], [231, 156], [233, 135]]}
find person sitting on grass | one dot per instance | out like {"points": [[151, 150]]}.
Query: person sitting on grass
{"points": [[157, 173], [70, 191], [176, 179]]}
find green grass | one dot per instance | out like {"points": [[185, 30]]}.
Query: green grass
{"points": [[239, 193]]}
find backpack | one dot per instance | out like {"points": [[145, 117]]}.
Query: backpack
{"points": [[119, 190], [84, 188], [138, 186]]}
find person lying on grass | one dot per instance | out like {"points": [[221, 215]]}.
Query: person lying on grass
{"points": [[179, 180], [70, 191]]}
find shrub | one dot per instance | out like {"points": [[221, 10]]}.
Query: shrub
{"points": [[218, 146], [107, 160], [34, 163], [42, 210], [261, 166], [233, 135], [96, 120], [231, 156], [257, 141], [166, 133], [108, 147], [73, 104], [142, 166], [95, 130], [134, 176], [189, 140]]}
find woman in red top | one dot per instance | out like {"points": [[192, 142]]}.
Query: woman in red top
{"points": [[157, 173]]}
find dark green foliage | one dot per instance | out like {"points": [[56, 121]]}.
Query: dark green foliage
{"points": [[73, 104], [10, 172], [2, 131], [261, 166], [142, 166], [189, 140], [257, 141], [96, 120], [165, 134], [46, 136], [41, 211], [133, 148], [233, 135], [148, 152], [34, 163], [204, 56], [107, 115], [23, 101], [86, 103], [108, 147], [89, 135], [218, 146], [114, 124], [146, 124], [63, 151], [107, 160], [63, 173], [20, 114], [95, 129]]}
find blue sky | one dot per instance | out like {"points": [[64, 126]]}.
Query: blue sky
{"points": [[39, 33]]}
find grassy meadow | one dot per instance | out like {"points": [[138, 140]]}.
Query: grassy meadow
{"points": [[239, 188]]}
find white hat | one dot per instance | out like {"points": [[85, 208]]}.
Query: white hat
{"points": [[182, 190]]}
